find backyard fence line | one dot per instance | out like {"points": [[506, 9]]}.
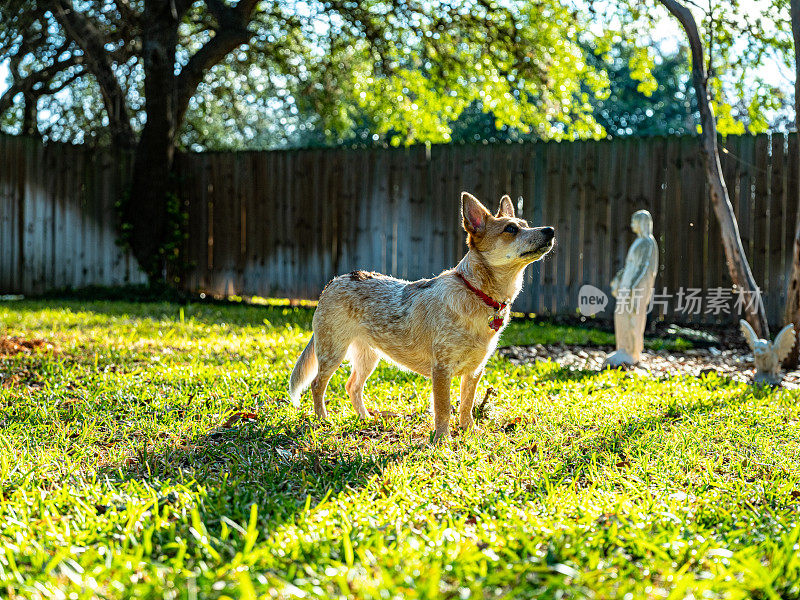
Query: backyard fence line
{"points": [[283, 223], [57, 217]]}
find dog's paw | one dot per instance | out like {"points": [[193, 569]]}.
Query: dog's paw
{"points": [[470, 426], [437, 438]]}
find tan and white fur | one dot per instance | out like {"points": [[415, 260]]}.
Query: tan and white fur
{"points": [[436, 327]]}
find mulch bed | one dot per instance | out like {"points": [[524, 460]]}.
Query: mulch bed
{"points": [[9, 346], [734, 363]]}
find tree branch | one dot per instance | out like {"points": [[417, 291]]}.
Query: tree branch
{"points": [[686, 19], [231, 33], [792, 309], [739, 268], [89, 39], [794, 10], [26, 84], [54, 89], [126, 11]]}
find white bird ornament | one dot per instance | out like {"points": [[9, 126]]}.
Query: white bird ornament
{"points": [[768, 356]]}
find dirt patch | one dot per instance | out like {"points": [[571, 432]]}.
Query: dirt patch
{"points": [[734, 363], [9, 346]]}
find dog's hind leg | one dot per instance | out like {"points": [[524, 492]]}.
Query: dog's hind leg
{"points": [[363, 359], [330, 353]]}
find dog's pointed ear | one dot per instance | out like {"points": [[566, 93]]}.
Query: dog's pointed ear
{"points": [[506, 207], [474, 214]]}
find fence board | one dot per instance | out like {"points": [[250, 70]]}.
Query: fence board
{"points": [[533, 213], [699, 215], [731, 169], [760, 207], [589, 209], [7, 211], [602, 211], [776, 282], [550, 206], [792, 198], [563, 225]]}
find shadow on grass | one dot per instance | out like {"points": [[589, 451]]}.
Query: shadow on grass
{"points": [[279, 469], [610, 446], [206, 313], [564, 374]]}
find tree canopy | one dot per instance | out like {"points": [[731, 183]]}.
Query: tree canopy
{"points": [[743, 41], [412, 66], [153, 75]]}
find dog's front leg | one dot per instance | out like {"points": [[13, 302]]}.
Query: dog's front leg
{"points": [[469, 383], [441, 377]]}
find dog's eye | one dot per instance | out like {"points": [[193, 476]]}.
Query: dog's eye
{"points": [[512, 229]]}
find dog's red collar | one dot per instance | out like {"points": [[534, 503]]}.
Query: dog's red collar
{"points": [[496, 322]]}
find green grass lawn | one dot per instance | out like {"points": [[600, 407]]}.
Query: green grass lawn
{"points": [[155, 455], [524, 332]]}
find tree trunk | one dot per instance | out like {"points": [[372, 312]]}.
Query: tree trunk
{"points": [[739, 268], [145, 210], [792, 310], [30, 115], [152, 225]]}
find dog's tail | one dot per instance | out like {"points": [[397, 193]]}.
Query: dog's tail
{"points": [[304, 371]]}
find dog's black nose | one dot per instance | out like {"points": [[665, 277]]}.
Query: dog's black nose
{"points": [[549, 232]]}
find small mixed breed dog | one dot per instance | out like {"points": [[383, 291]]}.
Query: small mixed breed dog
{"points": [[442, 327]]}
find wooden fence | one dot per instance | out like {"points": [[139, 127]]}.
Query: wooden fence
{"points": [[57, 217], [284, 223]]}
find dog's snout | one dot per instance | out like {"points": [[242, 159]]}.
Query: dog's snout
{"points": [[548, 233]]}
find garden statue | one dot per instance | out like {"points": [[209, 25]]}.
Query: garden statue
{"points": [[632, 286], [768, 357]]}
